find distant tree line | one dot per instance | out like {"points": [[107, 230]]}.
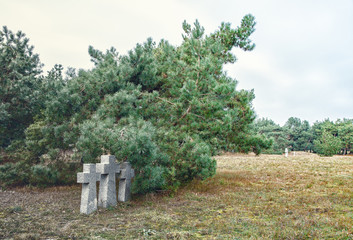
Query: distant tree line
{"points": [[325, 138]]}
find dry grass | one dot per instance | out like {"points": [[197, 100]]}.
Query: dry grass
{"points": [[266, 197]]}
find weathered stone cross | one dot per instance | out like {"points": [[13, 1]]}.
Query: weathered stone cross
{"points": [[106, 172], [125, 182], [108, 169], [88, 178]]}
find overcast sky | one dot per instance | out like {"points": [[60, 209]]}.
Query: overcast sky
{"points": [[302, 65]]}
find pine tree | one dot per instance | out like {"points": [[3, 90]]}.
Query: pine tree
{"points": [[166, 109], [345, 133], [20, 85], [328, 144], [270, 130], [299, 134]]}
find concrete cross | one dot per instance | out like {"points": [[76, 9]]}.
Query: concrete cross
{"points": [[125, 182], [88, 179], [108, 168]]}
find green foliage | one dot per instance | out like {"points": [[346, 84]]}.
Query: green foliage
{"points": [[12, 174], [52, 83], [258, 143], [35, 140], [333, 138], [43, 175], [22, 173], [25, 167], [299, 134], [345, 133], [328, 144], [139, 66], [20, 85], [270, 130], [194, 161], [326, 138]]}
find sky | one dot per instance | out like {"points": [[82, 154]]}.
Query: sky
{"points": [[302, 65]]}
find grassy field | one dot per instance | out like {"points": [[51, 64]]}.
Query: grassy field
{"points": [[266, 197]]}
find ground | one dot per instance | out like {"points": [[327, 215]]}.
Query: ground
{"points": [[251, 197]]}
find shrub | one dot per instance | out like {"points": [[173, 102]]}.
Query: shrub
{"points": [[13, 174], [43, 176]]}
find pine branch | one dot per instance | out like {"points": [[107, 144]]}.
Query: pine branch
{"points": [[163, 99], [184, 115], [198, 116]]}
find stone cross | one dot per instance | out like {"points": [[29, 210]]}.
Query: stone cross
{"points": [[108, 168], [125, 182], [286, 152], [88, 179]]}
